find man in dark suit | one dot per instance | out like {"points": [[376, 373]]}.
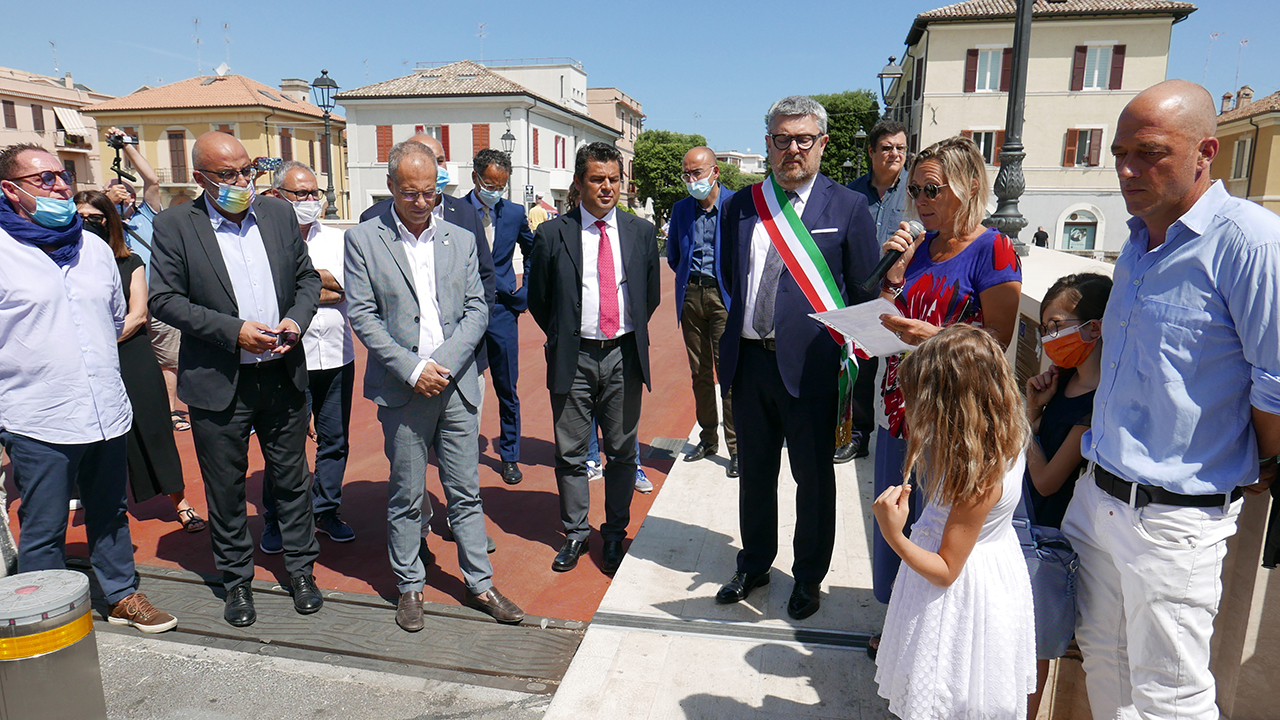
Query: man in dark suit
{"points": [[593, 285], [693, 251], [232, 272], [504, 228], [782, 365]]}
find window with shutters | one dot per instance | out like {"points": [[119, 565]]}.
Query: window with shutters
{"points": [[432, 130], [1240, 163], [1083, 148], [286, 144], [479, 137], [225, 128], [988, 70], [989, 143], [1098, 67], [37, 118], [10, 114], [444, 142], [178, 156], [311, 153], [384, 142]]}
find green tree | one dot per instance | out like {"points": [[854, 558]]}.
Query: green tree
{"points": [[657, 167], [846, 113], [734, 179]]}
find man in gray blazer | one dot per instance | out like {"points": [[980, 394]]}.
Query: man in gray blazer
{"points": [[415, 300]]}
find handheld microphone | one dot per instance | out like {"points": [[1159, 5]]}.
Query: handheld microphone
{"points": [[877, 275]]}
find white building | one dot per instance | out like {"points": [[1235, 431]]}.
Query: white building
{"points": [[747, 162], [1088, 58], [45, 111], [539, 107]]}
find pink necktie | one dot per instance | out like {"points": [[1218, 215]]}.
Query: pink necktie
{"points": [[608, 284]]}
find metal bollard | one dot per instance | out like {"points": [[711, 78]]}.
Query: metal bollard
{"points": [[48, 654]]}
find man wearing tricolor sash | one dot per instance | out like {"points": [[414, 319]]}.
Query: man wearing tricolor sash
{"points": [[795, 244]]}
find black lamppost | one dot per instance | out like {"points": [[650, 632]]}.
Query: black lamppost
{"points": [[322, 89], [1010, 182], [888, 76], [848, 170], [860, 145], [508, 143]]}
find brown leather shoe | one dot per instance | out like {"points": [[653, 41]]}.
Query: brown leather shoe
{"points": [[497, 605], [409, 611]]}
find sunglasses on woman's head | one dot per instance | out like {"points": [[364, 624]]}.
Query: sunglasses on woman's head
{"points": [[930, 190]]}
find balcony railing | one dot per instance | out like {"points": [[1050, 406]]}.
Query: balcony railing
{"points": [[174, 176]]}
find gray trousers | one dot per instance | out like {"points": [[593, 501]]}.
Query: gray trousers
{"points": [[450, 426], [607, 386]]}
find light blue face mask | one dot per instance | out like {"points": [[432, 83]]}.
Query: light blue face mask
{"points": [[488, 197], [442, 177], [700, 189], [51, 212]]}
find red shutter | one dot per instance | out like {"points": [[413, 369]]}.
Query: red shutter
{"points": [[971, 70], [918, 82], [286, 145], [995, 154], [535, 146], [479, 138], [444, 141], [384, 142], [1095, 148], [37, 118], [1077, 68], [1069, 157], [967, 134], [1117, 67], [1006, 68]]}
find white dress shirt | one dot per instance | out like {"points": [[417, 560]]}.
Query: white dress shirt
{"points": [[59, 363], [328, 339], [591, 276], [760, 243], [245, 256], [421, 251]]}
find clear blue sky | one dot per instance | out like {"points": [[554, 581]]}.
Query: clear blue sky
{"points": [[706, 67]]}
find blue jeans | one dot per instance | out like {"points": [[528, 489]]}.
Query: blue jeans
{"points": [[44, 474], [332, 416], [593, 447]]}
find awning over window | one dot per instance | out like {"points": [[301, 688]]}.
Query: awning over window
{"points": [[71, 121]]}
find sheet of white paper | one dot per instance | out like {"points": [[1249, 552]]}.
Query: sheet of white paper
{"points": [[862, 323]]}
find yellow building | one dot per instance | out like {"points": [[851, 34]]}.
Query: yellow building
{"points": [[270, 122], [1248, 159]]}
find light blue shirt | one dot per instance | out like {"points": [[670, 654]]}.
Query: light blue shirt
{"points": [[59, 364], [1190, 342], [141, 224], [250, 272]]}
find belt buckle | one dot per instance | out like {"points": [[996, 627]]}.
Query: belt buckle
{"points": [[1138, 496]]}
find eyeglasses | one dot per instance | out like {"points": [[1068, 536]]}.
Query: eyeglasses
{"points": [[783, 142], [230, 176], [303, 194], [929, 189], [693, 175], [1056, 327], [412, 197], [886, 149], [47, 179], [485, 186]]}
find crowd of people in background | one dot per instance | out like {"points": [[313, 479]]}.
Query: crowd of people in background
{"points": [[1159, 410]]}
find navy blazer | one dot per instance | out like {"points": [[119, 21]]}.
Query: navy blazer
{"points": [[680, 243], [510, 228], [808, 358]]}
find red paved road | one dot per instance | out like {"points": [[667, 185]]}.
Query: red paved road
{"points": [[524, 519]]}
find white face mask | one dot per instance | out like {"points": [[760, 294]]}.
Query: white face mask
{"points": [[308, 211]]}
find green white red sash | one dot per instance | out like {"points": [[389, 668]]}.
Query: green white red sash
{"points": [[809, 269]]}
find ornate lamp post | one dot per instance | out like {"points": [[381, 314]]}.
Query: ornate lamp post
{"points": [[848, 170], [888, 76], [1010, 182], [860, 144], [322, 89]]}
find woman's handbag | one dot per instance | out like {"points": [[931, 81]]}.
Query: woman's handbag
{"points": [[1052, 565]]}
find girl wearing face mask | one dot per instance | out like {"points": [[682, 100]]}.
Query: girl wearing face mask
{"points": [[154, 464], [1060, 402]]}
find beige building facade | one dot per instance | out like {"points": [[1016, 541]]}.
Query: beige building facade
{"points": [[624, 114], [1248, 159], [45, 110]]}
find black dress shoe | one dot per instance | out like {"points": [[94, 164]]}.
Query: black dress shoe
{"points": [[611, 558], [732, 470], [496, 605], [805, 600], [864, 445], [511, 474], [568, 556], [845, 453], [737, 589], [239, 609], [306, 596], [699, 452]]}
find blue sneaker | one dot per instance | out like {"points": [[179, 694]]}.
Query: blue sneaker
{"points": [[330, 524], [642, 481], [272, 543]]}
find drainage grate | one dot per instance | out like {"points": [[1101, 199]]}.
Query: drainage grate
{"points": [[665, 449]]}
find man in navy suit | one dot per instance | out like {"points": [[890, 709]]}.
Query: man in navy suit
{"points": [[782, 365], [504, 227], [693, 251]]}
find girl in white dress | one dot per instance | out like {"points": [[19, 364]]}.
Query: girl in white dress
{"points": [[959, 637]]}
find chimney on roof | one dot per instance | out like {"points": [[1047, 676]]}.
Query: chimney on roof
{"points": [[1226, 101], [295, 88], [1244, 97], [68, 82]]}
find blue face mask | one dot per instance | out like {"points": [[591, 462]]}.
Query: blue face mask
{"points": [[442, 177], [488, 197], [700, 189], [52, 212]]}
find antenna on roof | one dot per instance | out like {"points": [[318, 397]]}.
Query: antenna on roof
{"points": [[481, 35], [366, 67], [1239, 54], [1205, 76], [54, 45], [226, 38], [195, 35]]}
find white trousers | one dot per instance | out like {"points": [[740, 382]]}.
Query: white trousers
{"points": [[1147, 592]]}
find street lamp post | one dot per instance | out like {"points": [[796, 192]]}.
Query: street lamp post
{"points": [[322, 89], [1010, 182], [848, 169], [888, 76], [860, 144]]}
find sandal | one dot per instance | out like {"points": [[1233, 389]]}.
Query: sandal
{"points": [[191, 522], [873, 647], [180, 423]]}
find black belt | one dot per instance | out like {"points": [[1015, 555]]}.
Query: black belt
{"points": [[769, 344], [703, 281], [604, 344], [1138, 495]]}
